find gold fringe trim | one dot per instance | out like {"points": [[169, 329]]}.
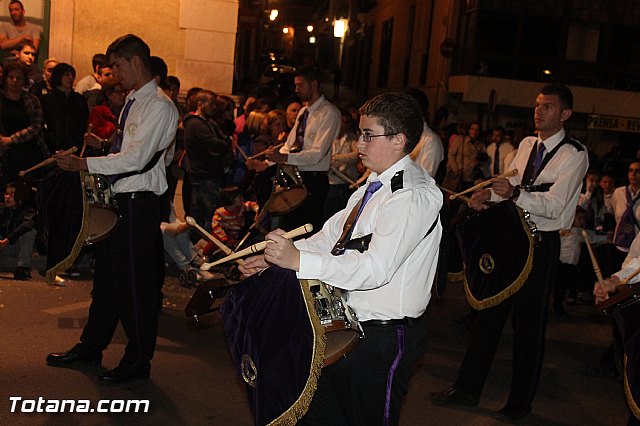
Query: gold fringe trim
{"points": [[80, 240], [300, 407], [511, 289], [627, 390]]}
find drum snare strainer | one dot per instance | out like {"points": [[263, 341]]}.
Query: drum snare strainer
{"points": [[342, 331]]}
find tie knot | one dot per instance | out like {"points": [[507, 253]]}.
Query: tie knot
{"points": [[373, 186], [541, 148]]}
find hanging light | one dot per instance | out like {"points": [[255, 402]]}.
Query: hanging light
{"points": [[310, 28], [312, 40], [273, 15], [339, 27], [285, 30]]}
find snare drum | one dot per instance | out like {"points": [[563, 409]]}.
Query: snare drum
{"points": [[288, 190], [103, 211], [341, 329]]}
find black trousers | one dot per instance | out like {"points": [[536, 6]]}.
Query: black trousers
{"points": [[129, 274], [312, 208], [530, 308], [368, 386]]}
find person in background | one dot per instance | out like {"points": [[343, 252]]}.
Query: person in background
{"points": [[43, 87], [18, 30], [103, 118], [17, 233]]}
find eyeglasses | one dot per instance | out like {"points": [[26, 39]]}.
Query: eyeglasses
{"points": [[366, 137], [634, 170]]}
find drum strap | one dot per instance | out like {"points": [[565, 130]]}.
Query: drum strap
{"points": [[114, 178], [545, 160]]}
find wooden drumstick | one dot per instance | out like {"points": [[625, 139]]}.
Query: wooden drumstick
{"points": [[594, 261], [448, 191], [46, 162], [304, 229], [485, 183], [342, 176], [191, 221], [261, 153]]}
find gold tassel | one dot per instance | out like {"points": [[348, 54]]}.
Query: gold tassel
{"points": [[514, 286], [300, 407], [627, 390], [79, 243]]}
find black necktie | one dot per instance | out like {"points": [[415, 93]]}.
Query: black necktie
{"points": [[300, 128], [496, 161]]}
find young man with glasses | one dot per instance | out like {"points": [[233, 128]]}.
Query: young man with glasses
{"points": [[389, 282]]}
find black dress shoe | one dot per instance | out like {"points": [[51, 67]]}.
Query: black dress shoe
{"points": [[125, 374], [74, 356], [453, 397], [512, 414]]}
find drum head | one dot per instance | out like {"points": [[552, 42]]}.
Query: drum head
{"points": [[285, 200], [102, 222], [339, 343]]}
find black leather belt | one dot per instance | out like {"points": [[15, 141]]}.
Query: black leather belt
{"points": [[137, 195], [398, 321]]}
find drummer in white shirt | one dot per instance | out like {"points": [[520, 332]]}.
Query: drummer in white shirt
{"points": [[389, 283]]}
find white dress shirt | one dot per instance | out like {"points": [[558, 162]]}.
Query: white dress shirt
{"points": [[393, 278], [429, 151], [631, 262], [555, 209], [150, 127], [505, 159], [619, 204], [323, 127], [344, 157]]}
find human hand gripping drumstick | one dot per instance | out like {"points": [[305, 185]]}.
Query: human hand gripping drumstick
{"points": [[260, 246], [46, 162], [485, 183]]}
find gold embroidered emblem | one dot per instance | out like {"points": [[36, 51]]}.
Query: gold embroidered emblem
{"points": [[486, 263], [132, 128], [249, 371]]}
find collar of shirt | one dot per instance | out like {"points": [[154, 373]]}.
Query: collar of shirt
{"points": [[315, 105], [552, 141], [385, 177], [149, 88]]}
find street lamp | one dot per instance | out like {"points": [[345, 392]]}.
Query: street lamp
{"points": [[339, 28], [310, 28], [273, 15]]}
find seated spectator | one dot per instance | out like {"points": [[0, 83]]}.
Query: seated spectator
{"points": [[17, 233], [229, 221], [90, 82], [18, 30]]}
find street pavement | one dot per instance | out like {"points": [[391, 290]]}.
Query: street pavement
{"points": [[193, 381]]}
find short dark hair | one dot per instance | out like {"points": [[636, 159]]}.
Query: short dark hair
{"points": [[170, 81], [60, 70], [228, 194], [13, 66], [308, 73], [202, 95], [127, 47], [560, 90], [25, 43], [17, 1], [420, 97], [158, 67], [397, 113], [99, 60], [109, 86]]}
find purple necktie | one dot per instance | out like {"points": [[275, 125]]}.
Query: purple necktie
{"points": [[116, 146], [338, 248], [538, 161]]}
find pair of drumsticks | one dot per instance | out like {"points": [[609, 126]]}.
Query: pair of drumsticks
{"points": [[596, 266], [305, 229]]}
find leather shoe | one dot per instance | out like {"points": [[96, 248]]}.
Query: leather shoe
{"points": [[73, 356], [453, 397], [512, 414], [125, 374]]}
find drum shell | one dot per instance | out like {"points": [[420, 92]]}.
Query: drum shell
{"points": [[103, 210], [288, 190]]}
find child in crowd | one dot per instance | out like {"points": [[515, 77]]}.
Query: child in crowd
{"points": [[228, 221]]}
